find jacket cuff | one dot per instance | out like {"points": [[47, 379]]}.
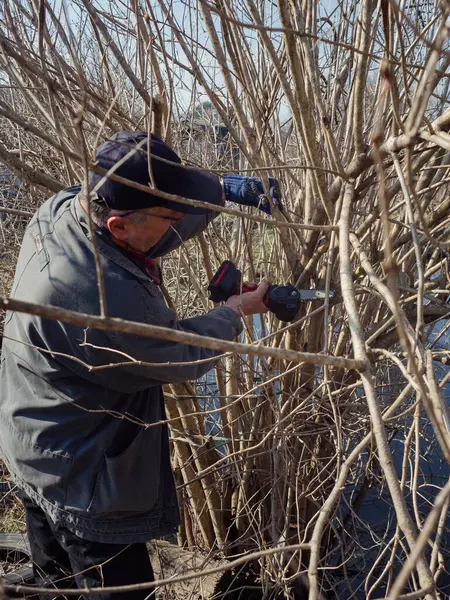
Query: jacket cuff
{"points": [[232, 316]]}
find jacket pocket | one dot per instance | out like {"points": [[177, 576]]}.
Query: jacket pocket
{"points": [[130, 481], [44, 470]]}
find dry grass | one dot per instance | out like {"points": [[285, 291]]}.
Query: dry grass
{"points": [[12, 518]]}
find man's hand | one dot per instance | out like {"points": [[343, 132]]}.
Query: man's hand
{"points": [[249, 191], [250, 303]]}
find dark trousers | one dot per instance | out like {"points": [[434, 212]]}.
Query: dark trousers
{"points": [[63, 560]]}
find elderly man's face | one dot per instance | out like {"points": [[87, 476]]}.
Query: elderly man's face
{"points": [[143, 235]]}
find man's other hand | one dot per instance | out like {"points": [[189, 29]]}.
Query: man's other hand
{"points": [[250, 303], [249, 191]]}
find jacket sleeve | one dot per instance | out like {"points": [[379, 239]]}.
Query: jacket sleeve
{"points": [[191, 225], [123, 354]]}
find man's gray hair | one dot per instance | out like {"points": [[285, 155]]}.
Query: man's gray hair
{"points": [[100, 212]]}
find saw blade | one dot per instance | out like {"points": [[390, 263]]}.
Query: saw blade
{"points": [[311, 295]]}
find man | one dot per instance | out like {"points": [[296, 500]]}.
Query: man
{"points": [[95, 483]]}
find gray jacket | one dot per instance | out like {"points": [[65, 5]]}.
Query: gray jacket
{"points": [[72, 437]]}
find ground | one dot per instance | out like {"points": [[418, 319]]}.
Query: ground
{"points": [[168, 559]]}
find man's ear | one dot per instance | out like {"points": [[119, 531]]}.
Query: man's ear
{"points": [[118, 227]]}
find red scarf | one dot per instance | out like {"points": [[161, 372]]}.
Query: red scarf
{"points": [[146, 264]]}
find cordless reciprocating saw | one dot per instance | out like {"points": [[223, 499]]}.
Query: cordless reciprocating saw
{"points": [[282, 300]]}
